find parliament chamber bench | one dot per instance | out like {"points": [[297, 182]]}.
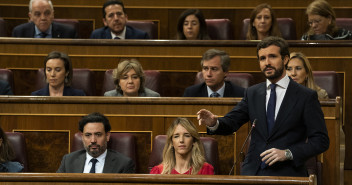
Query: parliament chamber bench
{"points": [[49, 124], [166, 14], [146, 179]]}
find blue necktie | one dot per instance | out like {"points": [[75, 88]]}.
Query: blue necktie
{"points": [[270, 111], [214, 95], [43, 35], [94, 161], [270, 114]]}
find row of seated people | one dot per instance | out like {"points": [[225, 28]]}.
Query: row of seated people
{"points": [[57, 78], [125, 143], [191, 25]]}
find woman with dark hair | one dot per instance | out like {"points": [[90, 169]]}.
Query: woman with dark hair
{"points": [[6, 155], [58, 75], [322, 23], [183, 152], [129, 79], [262, 23], [192, 26]]}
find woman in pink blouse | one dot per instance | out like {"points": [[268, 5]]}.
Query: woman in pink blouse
{"points": [[183, 152]]}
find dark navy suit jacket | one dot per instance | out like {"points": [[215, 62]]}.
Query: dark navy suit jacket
{"points": [[58, 30], [131, 33], [299, 127], [200, 90], [68, 91], [5, 88]]}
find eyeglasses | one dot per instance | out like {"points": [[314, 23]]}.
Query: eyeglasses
{"points": [[310, 23]]}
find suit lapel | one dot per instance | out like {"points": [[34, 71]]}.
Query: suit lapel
{"points": [[204, 90], [260, 109], [79, 163], [286, 107], [109, 163]]}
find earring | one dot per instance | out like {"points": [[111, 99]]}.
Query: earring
{"points": [[66, 80]]}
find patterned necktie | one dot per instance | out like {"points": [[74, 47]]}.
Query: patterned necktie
{"points": [[214, 95], [43, 35], [94, 161]]}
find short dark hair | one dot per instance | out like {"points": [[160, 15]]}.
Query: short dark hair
{"points": [[6, 150], [111, 2], [67, 63], [276, 41], [94, 117], [203, 31], [224, 58]]}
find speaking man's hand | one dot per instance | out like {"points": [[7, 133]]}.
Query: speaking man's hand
{"points": [[206, 118]]}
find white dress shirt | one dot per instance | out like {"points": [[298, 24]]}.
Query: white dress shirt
{"points": [[99, 166]]}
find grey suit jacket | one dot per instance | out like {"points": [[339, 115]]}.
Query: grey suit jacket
{"points": [[115, 162], [299, 127], [147, 93]]}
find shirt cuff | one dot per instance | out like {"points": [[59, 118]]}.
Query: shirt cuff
{"points": [[215, 127]]}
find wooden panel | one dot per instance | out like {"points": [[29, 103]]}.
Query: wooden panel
{"points": [[141, 116], [46, 147], [139, 179]]}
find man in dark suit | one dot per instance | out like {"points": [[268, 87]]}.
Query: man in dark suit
{"points": [[41, 25], [95, 158], [215, 67], [115, 19], [290, 126]]}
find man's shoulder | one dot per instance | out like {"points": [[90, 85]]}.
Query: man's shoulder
{"points": [[134, 33], [100, 33], [195, 90], [24, 26], [118, 155], [233, 90]]}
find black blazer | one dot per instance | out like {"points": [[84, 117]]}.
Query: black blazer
{"points": [[131, 33], [5, 88], [115, 162], [200, 90], [299, 127], [68, 91], [58, 30]]}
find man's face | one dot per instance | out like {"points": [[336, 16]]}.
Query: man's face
{"points": [[41, 15], [115, 18], [271, 63], [95, 139], [213, 74]]}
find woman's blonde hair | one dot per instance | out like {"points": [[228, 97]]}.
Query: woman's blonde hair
{"points": [[123, 67], [309, 81], [197, 157], [324, 9], [252, 31]]}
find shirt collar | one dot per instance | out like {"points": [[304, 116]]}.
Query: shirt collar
{"points": [[48, 32], [101, 157], [283, 82], [122, 35], [220, 91]]}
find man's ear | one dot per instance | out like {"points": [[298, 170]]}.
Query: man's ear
{"points": [[105, 23], [108, 136], [286, 59], [30, 16]]}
